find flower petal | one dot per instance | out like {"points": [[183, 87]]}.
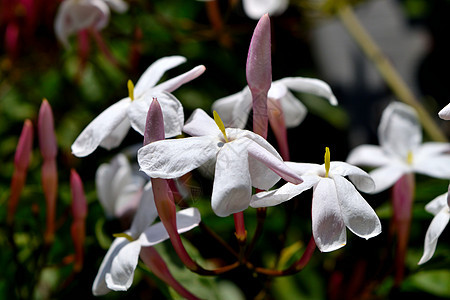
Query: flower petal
{"points": [[434, 166], [146, 212], [360, 179], [368, 155], [399, 131], [445, 112], [358, 216], [116, 136], [120, 276], [117, 5], [174, 158], [154, 73], [435, 205], [174, 83], [200, 123], [99, 286], [256, 8], [311, 86], [328, 227], [171, 108], [437, 226], [234, 109], [102, 126], [232, 187], [284, 193], [294, 111], [385, 177], [186, 220]]}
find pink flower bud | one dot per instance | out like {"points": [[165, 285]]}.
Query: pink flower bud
{"points": [[46, 131], [154, 127], [79, 212]]}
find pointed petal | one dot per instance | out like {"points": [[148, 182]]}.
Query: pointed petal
{"points": [[232, 187], [117, 5], [294, 111], [116, 137], [436, 228], [200, 123], [99, 286], [120, 276], [431, 149], [91, 137], [445, 112], [146, 212], [435, 205], [385, 177], [187, 219], [284, 193], [434, 166], [327, 224], [358, 216], [399, 131], [305, 168], [360, 179], [174, 158], [368, 155], [170, 106], [174, 83], [154, 73], [234, 109], [310, 85]]}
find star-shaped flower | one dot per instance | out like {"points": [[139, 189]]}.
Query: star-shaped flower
{"points": [[117, 269], [401, 150], [234, 109], [76, 15], [336, 203], [440, 208], [110, 127], [242, 159]]}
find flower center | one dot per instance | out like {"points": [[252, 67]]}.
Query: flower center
{"points": [[130, 89], [327, 161], [219, 123], [410, 157], [124, 235]]}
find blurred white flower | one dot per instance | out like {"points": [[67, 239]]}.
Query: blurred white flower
{"points": [[256, 8]]}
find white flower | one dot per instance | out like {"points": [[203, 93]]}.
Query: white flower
{"points": [[440, 208], [110, 127], [336, 203], [242, 159], [234, 109], [76, 15], [119, 189], [401, 150], [445, 112], [256, 8], [117, 269]]}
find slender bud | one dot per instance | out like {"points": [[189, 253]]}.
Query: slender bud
{"points": [[278, 125], [154, 126], [259, 73], [21, 163], [46, 131], [79, 212]]}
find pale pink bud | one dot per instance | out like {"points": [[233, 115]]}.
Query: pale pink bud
{"points": [[46, 131], [259, 73], [278, 125], [79, 212], [154, 126]]}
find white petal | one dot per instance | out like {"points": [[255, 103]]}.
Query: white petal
{"points": [[256, 8], [154, 73], [435, 166], [174, 83], [399, 131], [294, 111], [91, 137], [358, 216], [120, 276], [445, 112], [234, 109], [284, 193], [232, 186], [368, 155], [327, 224], [431, 149], [145, 214], [117, 5], [186, 220], [306, 168], [435, 205], [99, 286], [174, 158], [199, 124], [360, 179], [310, 85], [385, 177], [170, 106], [437, 226], [116, 137]]}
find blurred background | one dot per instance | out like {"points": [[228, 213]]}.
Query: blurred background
{"points": [[308, 40]]}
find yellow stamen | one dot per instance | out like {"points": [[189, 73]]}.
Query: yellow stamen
{"points": [[124, 235], [410, 158], [327, 161], [130, 89], [219, 123]]}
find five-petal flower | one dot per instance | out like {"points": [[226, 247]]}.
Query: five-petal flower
{"points": [[401, 150], [234, 109], [242, 159], [336, 203], [440, 208], [117, 268], [110, 127]]}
